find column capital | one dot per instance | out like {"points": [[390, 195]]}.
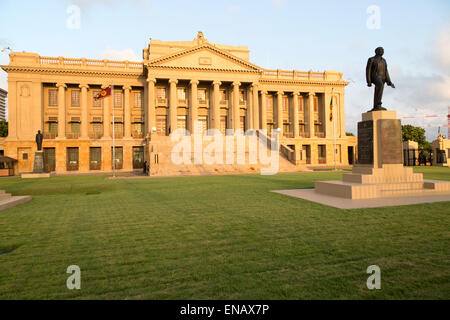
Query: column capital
{"points": [[310, 94], [236, 83], [263, 92], [173, 81], [126, 87], [280, 93], [151, 80], [83, 85], [254, 85], [216, 82], [105, 85], [295, 93], [194, 81], [61, 84]]}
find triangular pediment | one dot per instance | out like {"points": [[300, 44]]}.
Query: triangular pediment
{"points": [[205, 57]]}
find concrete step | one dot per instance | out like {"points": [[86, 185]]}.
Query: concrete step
{"points": [[13, 201], [5, 196]]}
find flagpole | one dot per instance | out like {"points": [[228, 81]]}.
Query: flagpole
{"points": [[334, 130], [114, 134]]}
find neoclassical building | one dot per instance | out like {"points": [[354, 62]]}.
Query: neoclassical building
{"points": [[176, 85]]}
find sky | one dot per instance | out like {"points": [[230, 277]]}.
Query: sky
{"points": [[281, 34]]}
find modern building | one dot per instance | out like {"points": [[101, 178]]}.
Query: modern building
{"points": [[176, 85], [3, 95]]}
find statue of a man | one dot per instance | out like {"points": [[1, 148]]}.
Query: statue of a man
{"points": [[377, 73], [39, 138]]}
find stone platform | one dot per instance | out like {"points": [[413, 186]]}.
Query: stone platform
{"points": [[35, 175], [7, 201]]}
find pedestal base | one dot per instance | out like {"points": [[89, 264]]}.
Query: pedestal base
{"points": [[38, 166]]}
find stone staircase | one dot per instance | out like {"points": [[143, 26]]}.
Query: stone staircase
{"points": [[8, 201], [161, 149]]}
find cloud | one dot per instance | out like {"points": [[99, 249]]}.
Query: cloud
{"points": [[87, 4], [112, 54], [442, 43]]}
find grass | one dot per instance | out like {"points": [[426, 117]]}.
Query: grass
{"points": [[216, 237]]}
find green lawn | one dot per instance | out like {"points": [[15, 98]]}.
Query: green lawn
{"points": [[216, 237]]}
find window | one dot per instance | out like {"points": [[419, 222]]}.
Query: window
{"points": [[118, 153], [25, 156], [161, 93], [137, 128], [242, 123], [285, 103], [300, 104], [316, 104], [181, 122], [301, 126], [138, 100], [96, 102], [75, 127], [95, 158], [223, 96], [269, 102], [181, 93], [72, 159], [75, 98], [52, 97], [242, 97], [161, 125], [118, 129], [53, 127], [223, 124], [322, 153], [202, 95], [203, 122], [138, 157], [117, 99], [97, 127], [286, 129]]}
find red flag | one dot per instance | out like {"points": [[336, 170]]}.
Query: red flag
{"points": [[104, 93]]}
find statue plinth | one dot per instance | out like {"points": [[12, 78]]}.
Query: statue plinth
{"points": [[38, 166], [380, 171]]}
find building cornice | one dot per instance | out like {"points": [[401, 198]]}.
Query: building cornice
{"points": [[44, 70]]}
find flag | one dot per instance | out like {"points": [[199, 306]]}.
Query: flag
{"points": [[104, 93], [331, 109]]}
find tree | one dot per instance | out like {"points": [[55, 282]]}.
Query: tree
{"points": [[349, 134], [3, 129], [417, 134]]}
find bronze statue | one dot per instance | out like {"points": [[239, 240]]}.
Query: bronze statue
{"points": [[39, 138], [377, 73]]}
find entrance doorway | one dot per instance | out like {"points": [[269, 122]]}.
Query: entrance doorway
{"points": [[49, 159], [350, 155]]}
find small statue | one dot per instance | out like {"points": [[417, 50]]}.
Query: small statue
{"points": [[377, 73], [39, 138]]}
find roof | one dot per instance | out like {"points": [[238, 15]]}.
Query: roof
{"points": [[7, 159]]}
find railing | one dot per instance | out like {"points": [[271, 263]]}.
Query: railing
{"points": [[304, 134], [95, 166], [223, 101], [320, 134], [201, 101], [322, 160], [91, 63], [138, 135], [182, 101], [161, 101], [72, 135], [95, 135], [118, 135], [288, 134], [72, 167], [302, 75], [50, 136]]}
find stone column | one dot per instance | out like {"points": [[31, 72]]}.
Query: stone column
{"points": [[255, 106], [280, 111], [107, 104], [127, 111], [236, 109], [263, 110], [328, 127], [249, 113], [216, 104], [341, 116], [311, 114], [61, 110], [150, 115], [193, 108], [12, 112], [84, 112], [295, 114], [173, 105]]}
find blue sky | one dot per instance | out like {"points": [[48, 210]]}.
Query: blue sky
{"points": [[285, 34]]}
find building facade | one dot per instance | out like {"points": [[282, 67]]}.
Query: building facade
{"points": [[176, 85], [3, 95]]}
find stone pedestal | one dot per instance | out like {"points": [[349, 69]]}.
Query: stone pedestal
{"points": [[38, 166], [380, 171]]}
